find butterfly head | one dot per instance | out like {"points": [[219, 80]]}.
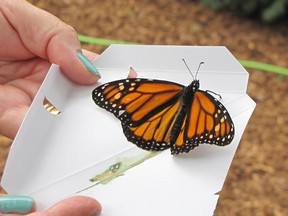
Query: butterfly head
{"points": [[195, 85], [192, 88]]}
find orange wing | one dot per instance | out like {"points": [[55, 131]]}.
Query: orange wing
{"points": [[147, 109], [207, 121], [134, 101], [154, 133]]}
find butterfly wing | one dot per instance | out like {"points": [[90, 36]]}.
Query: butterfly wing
{"points": [[147, 109], [206, 121], [154, 134]]}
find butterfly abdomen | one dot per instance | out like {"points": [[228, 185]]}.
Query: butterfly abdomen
{"points": [[178, 137], [177, 126], [188, 93]]}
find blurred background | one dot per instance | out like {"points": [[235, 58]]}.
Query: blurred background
{"points": [[252, 30]]}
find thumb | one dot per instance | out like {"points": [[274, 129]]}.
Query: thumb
{"points": [[74, 206], [50, 38]]}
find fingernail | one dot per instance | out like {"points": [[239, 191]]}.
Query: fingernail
{"points": [[16, 204], [96, 214], [87, 63]]}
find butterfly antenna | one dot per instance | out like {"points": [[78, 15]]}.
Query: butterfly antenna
{"points": [[198, 69], [188, 68]]}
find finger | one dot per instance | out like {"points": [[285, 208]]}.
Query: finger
{"points": [[51, 39], [74, 206], [90, 55], [14, 106], [132, 73], [16, 204], [11, 127]]}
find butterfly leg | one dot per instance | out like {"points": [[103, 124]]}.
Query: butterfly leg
{"points": [[208, 91]]}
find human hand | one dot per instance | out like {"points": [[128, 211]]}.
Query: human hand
{"points": [[77, 206], [31, 39]]}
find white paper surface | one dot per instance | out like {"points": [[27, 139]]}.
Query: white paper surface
{"points": [[54, 156]]}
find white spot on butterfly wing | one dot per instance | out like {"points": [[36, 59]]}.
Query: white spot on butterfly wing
{"points": [[121, 112]]}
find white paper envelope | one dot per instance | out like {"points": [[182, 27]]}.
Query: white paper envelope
{"points": [[55, 156]]}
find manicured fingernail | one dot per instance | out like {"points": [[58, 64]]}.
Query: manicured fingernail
{"points": [[96, 214], [16, 204], [87, 63]]}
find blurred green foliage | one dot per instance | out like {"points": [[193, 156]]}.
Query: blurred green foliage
{"points": [[267, 10]]}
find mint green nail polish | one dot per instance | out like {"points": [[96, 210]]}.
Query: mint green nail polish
{"points": [[87, 63], [16, 204]]}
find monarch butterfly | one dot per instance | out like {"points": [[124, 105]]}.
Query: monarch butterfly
{"points": [[157, 114]]}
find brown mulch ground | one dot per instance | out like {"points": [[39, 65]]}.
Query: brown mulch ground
{"points": [[257, 182]]}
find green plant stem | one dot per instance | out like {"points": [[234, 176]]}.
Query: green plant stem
{"points": [[264, 67], [247, 64], [100, 41]]}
